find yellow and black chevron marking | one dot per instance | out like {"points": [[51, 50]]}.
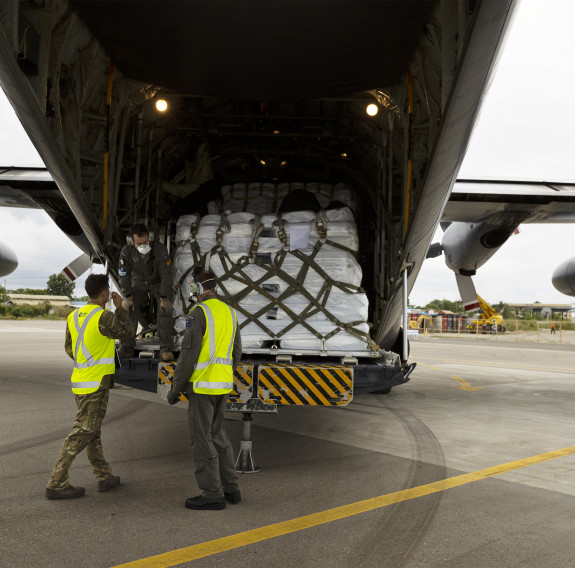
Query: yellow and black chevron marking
{"points": [[243, 381], [315, 385], [243, 384], [166, 373]]}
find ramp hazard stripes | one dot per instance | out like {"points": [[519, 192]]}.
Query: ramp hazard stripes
{"points": [[310, 385], [280, 384], [243, 382]]}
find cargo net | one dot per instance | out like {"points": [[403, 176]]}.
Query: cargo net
{"points": [[293, 278]]}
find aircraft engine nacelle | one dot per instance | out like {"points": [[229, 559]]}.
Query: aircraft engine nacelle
{"points": [[467, 246], [564, 277], [8, 260]]}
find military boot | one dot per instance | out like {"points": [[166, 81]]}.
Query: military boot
{"points": [[205, 504], [233, 496], [108, 482], [66, 493]]}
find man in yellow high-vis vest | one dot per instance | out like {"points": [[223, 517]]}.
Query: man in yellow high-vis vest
{"points": [[90, 335], [211, 350]]}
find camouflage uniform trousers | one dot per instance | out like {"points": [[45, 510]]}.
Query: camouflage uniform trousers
{"points": [[85, 434]]}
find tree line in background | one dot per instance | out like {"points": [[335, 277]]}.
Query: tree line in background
{"points": [[57, 285]]}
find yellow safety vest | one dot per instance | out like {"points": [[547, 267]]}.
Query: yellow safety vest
{"points": [[93, 352], [214, 370]]}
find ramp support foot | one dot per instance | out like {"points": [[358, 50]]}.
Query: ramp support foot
{"points": [[245, 460]]}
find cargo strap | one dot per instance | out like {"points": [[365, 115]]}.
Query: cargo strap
{"points": [[256, 232], [192, 238], [181, 287], [224, 227], [295, 285]]}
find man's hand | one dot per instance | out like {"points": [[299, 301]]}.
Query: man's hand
{"points": [[116, 299], [127, 304], [166, 305], [173, 397]]}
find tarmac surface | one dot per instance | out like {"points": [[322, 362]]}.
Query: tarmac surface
{"points": [[471, 464]]}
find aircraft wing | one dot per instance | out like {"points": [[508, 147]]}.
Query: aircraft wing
{"points": [[482, 214], [34, 188], [474, 201], [29, 188]]}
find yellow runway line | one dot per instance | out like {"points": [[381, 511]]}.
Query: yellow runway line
{"points": [[464, 385], [238, 540]]}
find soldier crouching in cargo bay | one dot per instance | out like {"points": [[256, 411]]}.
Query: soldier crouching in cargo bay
{"points": [[145, 269], [90, 334], [211, 350]]}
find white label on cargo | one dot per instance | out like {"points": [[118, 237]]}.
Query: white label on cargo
{"points": [[238, 244], [298, 235]]}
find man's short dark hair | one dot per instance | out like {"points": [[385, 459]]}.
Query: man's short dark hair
{"points": [[139, 230], [95, 285], [206, 278]]}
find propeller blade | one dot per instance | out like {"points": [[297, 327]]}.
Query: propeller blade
{"points": [[467, 292], [77, 267]]}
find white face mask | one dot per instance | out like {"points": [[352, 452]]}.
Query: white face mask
{"points": [[197, 289], [144, 249]]}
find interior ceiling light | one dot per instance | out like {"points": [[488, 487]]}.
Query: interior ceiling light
{"points": [[263, 163], [162, 105], [276, 131], [371, 109], [283, 164], [344, 155]]}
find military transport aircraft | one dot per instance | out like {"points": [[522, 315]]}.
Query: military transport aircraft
{"points": [[142, 111]]}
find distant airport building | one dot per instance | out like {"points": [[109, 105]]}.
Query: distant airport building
{"points": [[36, 300], [550, 311]]}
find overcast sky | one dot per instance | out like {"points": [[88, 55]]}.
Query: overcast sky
{"points": [[526, 131]]}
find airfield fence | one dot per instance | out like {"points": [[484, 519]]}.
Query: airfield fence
{"points": [[525, 331]]}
